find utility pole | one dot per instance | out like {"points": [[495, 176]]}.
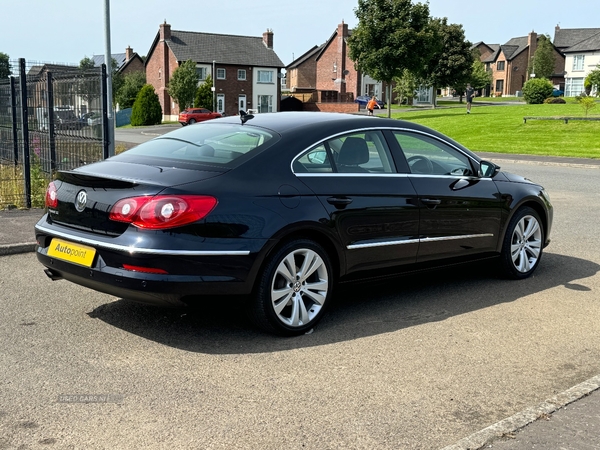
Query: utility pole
{"points": [[109, 69]]}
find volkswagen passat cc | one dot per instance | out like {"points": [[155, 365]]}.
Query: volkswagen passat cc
{"points": [[279, 207]]}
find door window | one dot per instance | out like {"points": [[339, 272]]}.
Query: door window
{"points": [[427, 155], [364, 152]]}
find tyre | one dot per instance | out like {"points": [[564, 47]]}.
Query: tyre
{"points": [[192, 121], [293, 290], [523, 244]]}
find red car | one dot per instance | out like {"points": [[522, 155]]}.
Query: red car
{"points": [[190, 116]]}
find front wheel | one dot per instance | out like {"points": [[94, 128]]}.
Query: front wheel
{"points": [[293, 289], [523, 244], [192, 121]]}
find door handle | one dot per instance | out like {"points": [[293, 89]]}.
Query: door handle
{"points": [[431, 201], [339, 202]]}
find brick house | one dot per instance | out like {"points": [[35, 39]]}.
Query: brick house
{"points": [[328, 71], [509, 64], [245, 69], [127, 62], [581, 47], [301, 74]]}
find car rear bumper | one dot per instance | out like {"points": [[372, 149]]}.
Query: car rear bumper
{"points": [[190, 273]]}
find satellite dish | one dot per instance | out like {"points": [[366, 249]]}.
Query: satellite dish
{"points": [[346, 72]]}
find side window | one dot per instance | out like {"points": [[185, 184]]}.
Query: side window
{"points": [[426, 155], [365, 152], [315, 161]]}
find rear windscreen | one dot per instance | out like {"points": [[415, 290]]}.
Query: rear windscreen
{"points": [[212, 144]]}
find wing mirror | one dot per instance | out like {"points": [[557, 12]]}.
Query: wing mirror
{"points": [[487, 169]]}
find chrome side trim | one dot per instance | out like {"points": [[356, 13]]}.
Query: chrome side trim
{"points": [[417, 241], [383, 244], [147, 251], [454, 238]]}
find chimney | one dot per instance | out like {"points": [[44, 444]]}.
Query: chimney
{"points": [[128, 53], [532, 43], [268, 38], [556, 28], [342, 30], [165, 31]]}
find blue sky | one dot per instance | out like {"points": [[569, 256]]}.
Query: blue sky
{"points": [[65, 31]]}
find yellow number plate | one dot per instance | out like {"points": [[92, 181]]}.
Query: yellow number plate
{"points": [[78, 254]]}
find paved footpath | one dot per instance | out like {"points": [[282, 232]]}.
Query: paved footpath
{"points": [[567, 421]]}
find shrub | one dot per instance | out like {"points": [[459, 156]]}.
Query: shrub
{"points": [[146, 108], [586, 102], [555, 100], [536, 90]]}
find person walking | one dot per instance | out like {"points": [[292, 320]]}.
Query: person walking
{"points": [[469, 94], [372, 104]]}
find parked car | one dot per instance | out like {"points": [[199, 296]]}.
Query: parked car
{"points": [[362, 101], [91, 118], [558, 93], [65, 119], [191, 116], [279, 207]]}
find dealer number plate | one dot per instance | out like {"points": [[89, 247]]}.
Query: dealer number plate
{"points": [[78, 254]]}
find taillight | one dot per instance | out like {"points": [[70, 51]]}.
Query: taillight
{"points": [[51, 196], [144, 269], [162, 211]]}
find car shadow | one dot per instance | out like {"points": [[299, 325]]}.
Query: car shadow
{"points": [[359, 309]]}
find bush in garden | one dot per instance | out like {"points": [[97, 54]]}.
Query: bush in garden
{"points": [[146, 108], [536, 90], [555, 100]]}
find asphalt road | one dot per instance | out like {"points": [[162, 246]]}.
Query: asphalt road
{"points": [[138, 135], [413, 363]]}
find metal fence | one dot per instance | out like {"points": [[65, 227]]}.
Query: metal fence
{"points": [[52, 117]]}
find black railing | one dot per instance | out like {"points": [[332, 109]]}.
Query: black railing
{"points": [[52, 117]]}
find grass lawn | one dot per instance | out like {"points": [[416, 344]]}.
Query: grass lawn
{"points": [[500, 129]]}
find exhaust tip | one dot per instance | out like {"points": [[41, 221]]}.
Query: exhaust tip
{"points": [[52, 275]]}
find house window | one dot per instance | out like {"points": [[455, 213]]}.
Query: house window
{"points": [[265, 103], [201, 71], [573, 87], [500, 86], [241, 74], [500, 65], [220, 74], [578, 62], [265, 76]]}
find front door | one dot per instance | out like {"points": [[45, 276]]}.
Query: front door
{"points": [[242, 102], [221, 103], [459, 212]]}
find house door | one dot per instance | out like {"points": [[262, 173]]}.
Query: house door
{"points": [[221, 103], [242, 102]]}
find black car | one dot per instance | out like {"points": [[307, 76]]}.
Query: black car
{"points": [[279, 207]]}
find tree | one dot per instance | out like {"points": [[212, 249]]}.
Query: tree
{"points": [[204, 95], [183, 84], [405, 87], [132, 84], [480, 77], [391, 36], [452, 64], [5, 67], [593, 79], [543, 61], [146, 108], [88, 89]]}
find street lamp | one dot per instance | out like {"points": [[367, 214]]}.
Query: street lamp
{"points": [[213, 89]]}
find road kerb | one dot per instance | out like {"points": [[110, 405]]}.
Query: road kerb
{"points": [[521, 419]]}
